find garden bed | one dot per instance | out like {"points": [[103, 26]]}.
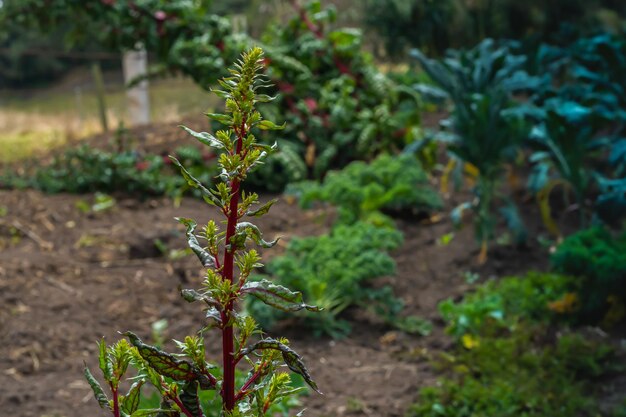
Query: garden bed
{"points": [[67, 278]]}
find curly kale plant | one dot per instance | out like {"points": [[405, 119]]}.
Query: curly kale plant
{"points": [[181, 378], [334, 271], [362, 190], [599, 260]]}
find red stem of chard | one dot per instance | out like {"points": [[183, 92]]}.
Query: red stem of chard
{"points": [[228, 339], [182, 407], [116, 402]]}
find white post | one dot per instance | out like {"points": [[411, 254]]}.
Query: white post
{"points": [[135, 64]]}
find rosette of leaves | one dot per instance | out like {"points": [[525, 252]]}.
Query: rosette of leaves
{"points": [[179, 378], [520, 374], [363, 191]]}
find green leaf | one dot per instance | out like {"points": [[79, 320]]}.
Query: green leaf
{"points": [[291, 358], [264, 98], [264, 209], [269, 149], [268, 125], [194, 183], [252, 231], [221, 118], [97, 389], [276, 296], [149, 412], [162, 362], [205, 138], [189, 398], [205, 257], [215, 316], [131, 400], [192, 295], [105, 362]]}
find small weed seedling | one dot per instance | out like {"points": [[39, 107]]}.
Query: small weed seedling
{"points": [[183, 379]]}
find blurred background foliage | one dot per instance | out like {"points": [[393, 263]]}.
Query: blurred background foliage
{"points": [[391, 27]]}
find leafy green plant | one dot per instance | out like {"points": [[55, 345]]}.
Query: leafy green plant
{"points": [[488, 66], [180, 378], [84, 169], [564, 142], [599, 260], [333, 271], [517, 376], [339, 106], [579, 138], [483, 132], [361, 191], [504, 304]]}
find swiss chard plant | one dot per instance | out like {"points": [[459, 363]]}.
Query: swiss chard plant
{"points": [[181, 378], [340, 106]]}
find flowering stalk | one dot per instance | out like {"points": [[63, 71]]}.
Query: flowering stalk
{"points": [[178, 379]]}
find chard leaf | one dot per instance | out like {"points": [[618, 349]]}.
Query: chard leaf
{"points": [[97, 389], [189, 398], [163, 362], [291, 358], [268, 125], [192, 295], [205, 138], [264, 98], [264, 209], [194, 183], [252, 231], [214, 315], [205, 257], [277, 296], [221, 118], [131, 400]]}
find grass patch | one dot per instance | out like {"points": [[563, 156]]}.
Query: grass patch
{"points": [[50, 119]]}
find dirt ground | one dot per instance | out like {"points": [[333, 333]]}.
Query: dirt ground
{"points": [[68, 278]]}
